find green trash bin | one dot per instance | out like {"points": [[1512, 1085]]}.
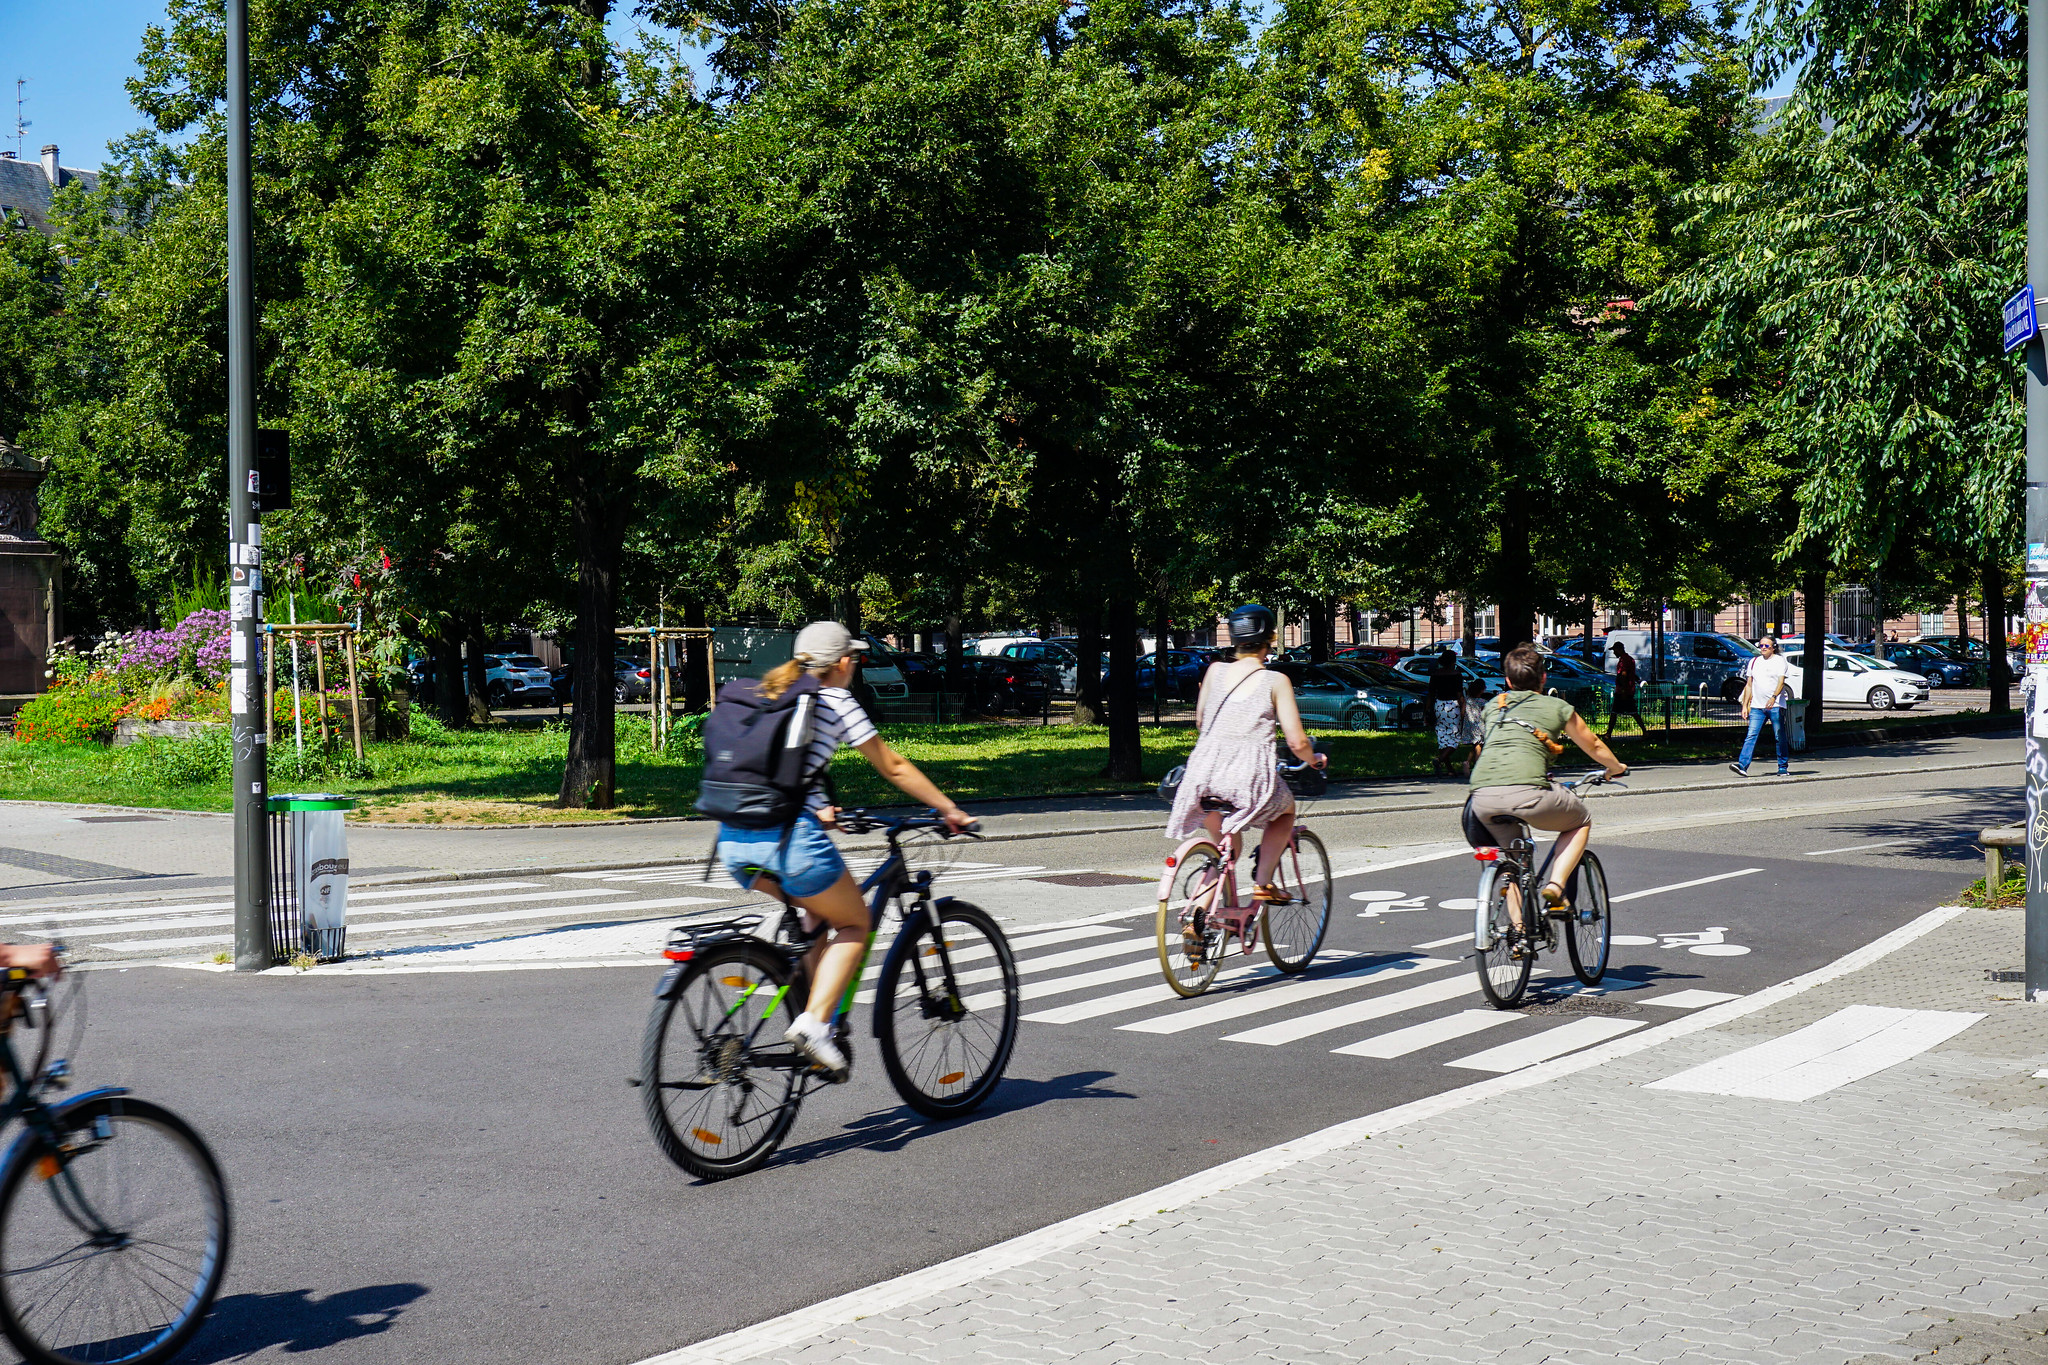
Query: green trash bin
{"points": [[309, 875]]}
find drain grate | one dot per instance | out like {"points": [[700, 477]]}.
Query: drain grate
{"points": [[1091, 879], [1990, 975], [1576, 1004]]}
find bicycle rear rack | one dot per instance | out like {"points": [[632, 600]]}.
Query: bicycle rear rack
{"points": [[685, 941]]}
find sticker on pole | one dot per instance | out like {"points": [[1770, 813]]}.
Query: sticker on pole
{"points": [[2021, 325]]}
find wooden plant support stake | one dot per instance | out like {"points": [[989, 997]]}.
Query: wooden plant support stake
{"points": [[355, 705], [320, 683]]}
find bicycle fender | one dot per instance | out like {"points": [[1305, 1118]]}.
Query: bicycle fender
{"points": [[28, 1135], [904, 938], [1486, 880], [671, 981]]}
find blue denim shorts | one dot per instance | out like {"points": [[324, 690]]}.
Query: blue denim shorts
{"points": [[806, 863]]}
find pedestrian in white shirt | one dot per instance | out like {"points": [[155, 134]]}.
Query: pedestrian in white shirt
{"points": [[1768, 691]]}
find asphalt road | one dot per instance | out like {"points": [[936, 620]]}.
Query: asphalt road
{"points": [[448, 1165]]}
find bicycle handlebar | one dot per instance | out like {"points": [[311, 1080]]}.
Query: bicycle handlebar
{"points": [[866, 822], [1596, 778]]}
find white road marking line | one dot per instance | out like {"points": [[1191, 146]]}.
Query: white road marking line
{"points": [[1547, 1044], [1051, 962], [1680, 886], [2041, 1075], [780, 1334], [1018, 946], [1357, 1012], [143, 926], [1851, 1043], [1279, 996], [1858, 848], [1689, 1000], [1064, 985], [441, 921], [431, 889], [1402, 1041], [1144, 995], [1443, 942], [115, 912]]}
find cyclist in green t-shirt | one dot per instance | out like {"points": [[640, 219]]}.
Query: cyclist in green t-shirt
{"points": [[1522, 730]]}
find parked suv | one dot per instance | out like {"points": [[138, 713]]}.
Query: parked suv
{"points": [[1691, 658], [517, 680], [1061, 667]]}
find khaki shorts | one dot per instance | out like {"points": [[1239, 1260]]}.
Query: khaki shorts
{"points": [[1505, 809]]}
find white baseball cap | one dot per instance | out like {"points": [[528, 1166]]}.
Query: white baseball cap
{"points": [[827, 642]]}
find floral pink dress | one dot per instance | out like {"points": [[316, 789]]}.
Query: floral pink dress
{"points": [[1234, 761]]}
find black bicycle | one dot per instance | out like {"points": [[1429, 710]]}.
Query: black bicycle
{"points": [[1513, 928], [720, 1086], [113, 1213]]}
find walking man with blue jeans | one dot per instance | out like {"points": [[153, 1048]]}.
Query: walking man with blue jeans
{"points": [[1769, 687]]}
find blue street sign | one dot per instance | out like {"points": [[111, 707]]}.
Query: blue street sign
{"points": [[2020, 322]]}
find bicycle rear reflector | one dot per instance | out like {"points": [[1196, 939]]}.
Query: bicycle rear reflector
{"points": [[1172, 861], [1486, 855], [678, 954]]}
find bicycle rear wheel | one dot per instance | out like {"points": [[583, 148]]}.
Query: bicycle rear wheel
{"points": [[719, 1086], [113, 1248], [1504, 954], [1590, 931], [1294, 931], [1191, 934], [944, 1044]]}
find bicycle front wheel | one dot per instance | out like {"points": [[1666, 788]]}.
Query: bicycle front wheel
{"points": [[946, 1047], [1504, 954], [1590, 931], [112, 1246], [1191, 934], [1294, 930], [719, 1086]]}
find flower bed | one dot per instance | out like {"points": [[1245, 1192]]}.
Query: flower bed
{"points": [[153, 675]]}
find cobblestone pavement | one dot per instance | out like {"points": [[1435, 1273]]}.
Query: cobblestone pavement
{"points": [[1589, 1219]]}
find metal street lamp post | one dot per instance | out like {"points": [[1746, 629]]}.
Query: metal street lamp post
{"points": [[247, 708]]}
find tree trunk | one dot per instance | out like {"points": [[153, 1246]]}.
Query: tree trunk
{"points": [[474, 669], [1319, 631], [1160, 644], [849, 610], [1587, 656], [589, 776], [696, 662], [1125, 755], [1517, 611], [451, 704], [1994, 636], [1877, 640], [953, 682], [1814, 659], [1468, 623], [1088, 707]]}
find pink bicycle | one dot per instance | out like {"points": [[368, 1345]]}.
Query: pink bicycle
{"points": [[1199, 912]]}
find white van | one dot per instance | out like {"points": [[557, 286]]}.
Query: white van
{"points": [[992, 646], [1691, 658]]}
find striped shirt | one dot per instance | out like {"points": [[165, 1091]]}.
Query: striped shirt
{"points": [[839, 721]]}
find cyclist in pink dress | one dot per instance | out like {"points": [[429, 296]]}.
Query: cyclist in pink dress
{"points": [[1232, 781]]}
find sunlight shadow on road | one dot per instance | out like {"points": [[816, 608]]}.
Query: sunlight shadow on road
{"points": [[295, 1321]]}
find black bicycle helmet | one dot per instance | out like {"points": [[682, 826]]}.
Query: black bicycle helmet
{"points": [[1250, 624]]}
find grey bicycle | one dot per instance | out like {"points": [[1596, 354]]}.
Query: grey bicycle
{"points": [[1510, 928]]}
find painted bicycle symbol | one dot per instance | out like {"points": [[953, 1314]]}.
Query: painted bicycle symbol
{"points": [[1706, 942]]}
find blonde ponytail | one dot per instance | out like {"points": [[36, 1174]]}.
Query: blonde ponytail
{"points": [[777, 680]]}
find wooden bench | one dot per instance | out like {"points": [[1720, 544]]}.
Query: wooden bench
{"points": [[1995, 843]]}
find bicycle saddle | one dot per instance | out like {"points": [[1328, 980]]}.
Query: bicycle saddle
{"points": [[1218, 804]]}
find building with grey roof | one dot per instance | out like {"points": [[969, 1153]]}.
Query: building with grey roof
{"points": [[26, 187]]}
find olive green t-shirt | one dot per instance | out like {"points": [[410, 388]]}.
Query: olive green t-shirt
{"points": [[1511, 756]]}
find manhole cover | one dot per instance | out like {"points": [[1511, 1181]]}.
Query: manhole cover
{"points": [[1091, 879], [1577, 1004], [1990, 975]]}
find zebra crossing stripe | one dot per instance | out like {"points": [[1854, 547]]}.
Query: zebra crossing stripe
{"points": [[1017, 946], [1094, 952], [1357, 1012], [439, 922], [1402, 1041], [1145, 995], [1280, 996], [1550, 1043]]}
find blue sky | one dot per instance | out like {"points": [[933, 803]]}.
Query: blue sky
{"points": [[76, 55], [76, 69]]}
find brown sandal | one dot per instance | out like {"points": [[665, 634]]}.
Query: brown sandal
{"points": [[1269, 894]]}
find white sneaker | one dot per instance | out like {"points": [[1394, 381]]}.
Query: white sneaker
{"points": [[814, 1040]]}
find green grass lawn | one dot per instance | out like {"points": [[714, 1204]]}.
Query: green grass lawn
{"points": [[506, 775]]}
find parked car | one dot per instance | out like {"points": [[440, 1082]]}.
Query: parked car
{"points": [[1484, 671], [1937, 666], [1860, 679], [1577, 683], [992, 645], [1183, 674], [1061, 666], [1692, 658], [1344, 696], [997, 686], [1388, 655], [1574, 647], [517, 680]]}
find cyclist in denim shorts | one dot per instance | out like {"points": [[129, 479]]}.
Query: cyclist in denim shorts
{"points": [[804, 860]]}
